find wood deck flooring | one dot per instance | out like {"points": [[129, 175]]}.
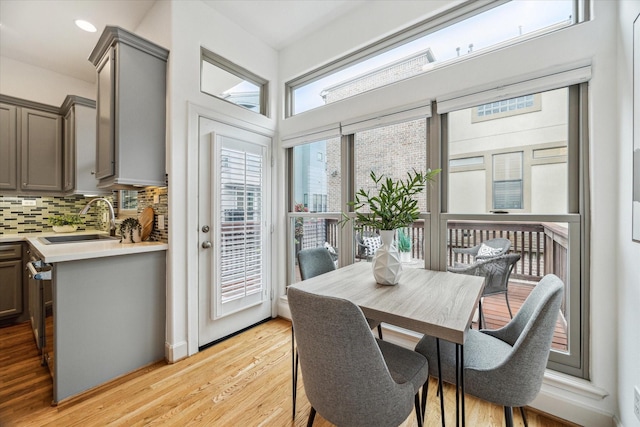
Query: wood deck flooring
{"points": [[243, 381]]}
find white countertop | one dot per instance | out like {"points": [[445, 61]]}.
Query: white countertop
{"points": [[81, 250]]}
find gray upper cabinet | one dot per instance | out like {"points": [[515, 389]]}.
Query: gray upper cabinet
{"points": [[79, 146], [131, 110], [41, 150], [30, 147], [8, 148]]}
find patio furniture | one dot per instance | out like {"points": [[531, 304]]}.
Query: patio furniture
{"points": [[487, 249], [504, 366], [351, 378], [366, 244], [496, 271]]}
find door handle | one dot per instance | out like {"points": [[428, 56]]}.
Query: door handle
{"points": [[206, 244]]}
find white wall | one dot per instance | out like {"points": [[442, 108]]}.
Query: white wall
{"points": [[593, 402], [25, 81], [627, 262], [194, 24]]}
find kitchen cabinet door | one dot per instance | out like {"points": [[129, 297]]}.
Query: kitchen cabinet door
{"points": [[8, 148], [41, 150], [131, 110], [11, 290]]}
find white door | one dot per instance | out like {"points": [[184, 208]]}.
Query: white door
{"points": [[233, 278]]}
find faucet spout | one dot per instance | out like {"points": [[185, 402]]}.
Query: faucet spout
{"points": [[112, 215]]}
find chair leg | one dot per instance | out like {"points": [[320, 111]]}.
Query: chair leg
{"points": [[524, 417], [425, 393], [312, 415], [418, 410], [380, 330], [506, 297], [480, 315], [294, 373], [508, 416]]}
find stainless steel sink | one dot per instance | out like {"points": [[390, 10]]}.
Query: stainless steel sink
{"points": [[54, 240]]}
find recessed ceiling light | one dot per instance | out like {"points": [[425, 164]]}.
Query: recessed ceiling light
{"points": [[85, 25]]}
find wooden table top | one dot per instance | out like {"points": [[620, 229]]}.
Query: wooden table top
{"points": [[436, 303]]}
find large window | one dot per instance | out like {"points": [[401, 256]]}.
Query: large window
{"points": [[440, 41]]}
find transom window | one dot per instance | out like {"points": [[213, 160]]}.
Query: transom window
{"points": [[226, 80]]}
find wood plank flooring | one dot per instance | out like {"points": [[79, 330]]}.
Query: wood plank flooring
{"points": [[243, 381]]}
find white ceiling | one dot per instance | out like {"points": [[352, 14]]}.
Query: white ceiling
{"points": [[43, 33]]}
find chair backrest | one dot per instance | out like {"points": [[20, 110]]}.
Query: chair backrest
{"points": [[530, 333], [345, 377], [314, 261], [498, 243], [496, 271]]}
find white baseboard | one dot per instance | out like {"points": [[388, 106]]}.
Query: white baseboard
{"points": [[173, 353]]}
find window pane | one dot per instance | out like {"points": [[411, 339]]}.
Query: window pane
{"points": [[509, 22], [540, 248], [311, 232], [513, 175], [393, 151], [316, 176], [231, 82]]}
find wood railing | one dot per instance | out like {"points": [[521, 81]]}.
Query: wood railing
{"points": [[542, 246]]}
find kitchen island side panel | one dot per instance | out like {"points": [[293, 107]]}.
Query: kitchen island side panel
{"points": [[109, 319]]}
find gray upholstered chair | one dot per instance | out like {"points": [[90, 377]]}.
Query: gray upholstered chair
{"points": [[314, 262], [487, 249], [505, 366], [496, 272], [351, 378]]}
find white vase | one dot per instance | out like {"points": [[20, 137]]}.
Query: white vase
{"points": [[129, 237], [64, 228], [386, 261], [405, 256]]}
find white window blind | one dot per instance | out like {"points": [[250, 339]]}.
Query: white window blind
{"points": [[386, 118], [241, 233], [507, 181], [527, 85]]}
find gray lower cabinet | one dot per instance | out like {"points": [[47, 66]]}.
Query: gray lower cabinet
{"points": [[131, 110], [108, 319], [30, 147], [11, 285]]}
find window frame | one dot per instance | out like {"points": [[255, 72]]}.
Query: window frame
{"points": [[228, 66], [452, 16]]}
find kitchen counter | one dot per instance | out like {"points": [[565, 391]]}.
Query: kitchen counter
{"points": [[81, 250]]}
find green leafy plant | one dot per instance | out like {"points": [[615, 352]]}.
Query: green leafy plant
{"points": [[67, 219], [127, 227], [404, 240], [394, 205]]}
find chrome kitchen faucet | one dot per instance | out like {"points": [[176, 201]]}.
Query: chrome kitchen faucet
{"points": [[112, 215]]}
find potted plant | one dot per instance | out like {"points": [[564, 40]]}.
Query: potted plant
{"points": [[404, 244], [130, 231], [394, 206], [65, 223]]}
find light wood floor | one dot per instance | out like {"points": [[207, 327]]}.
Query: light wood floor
{"points": [[243, 381]]}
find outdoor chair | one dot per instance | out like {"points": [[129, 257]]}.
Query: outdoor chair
{"points": [[350, 377], [496, 271], [487, 249], [366, 244], [504, 366]]}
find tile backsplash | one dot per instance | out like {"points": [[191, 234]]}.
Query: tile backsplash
{"points": [[16, 218]]}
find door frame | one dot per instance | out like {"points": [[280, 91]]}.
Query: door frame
{"points": [[194, 113]]}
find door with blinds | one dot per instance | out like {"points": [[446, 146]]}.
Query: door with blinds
{"points": [[234, 288]]}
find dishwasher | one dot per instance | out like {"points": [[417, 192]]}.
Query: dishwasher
{"points": [[41, 308]]}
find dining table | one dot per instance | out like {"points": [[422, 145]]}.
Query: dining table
{"points": [[436, 303]]}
